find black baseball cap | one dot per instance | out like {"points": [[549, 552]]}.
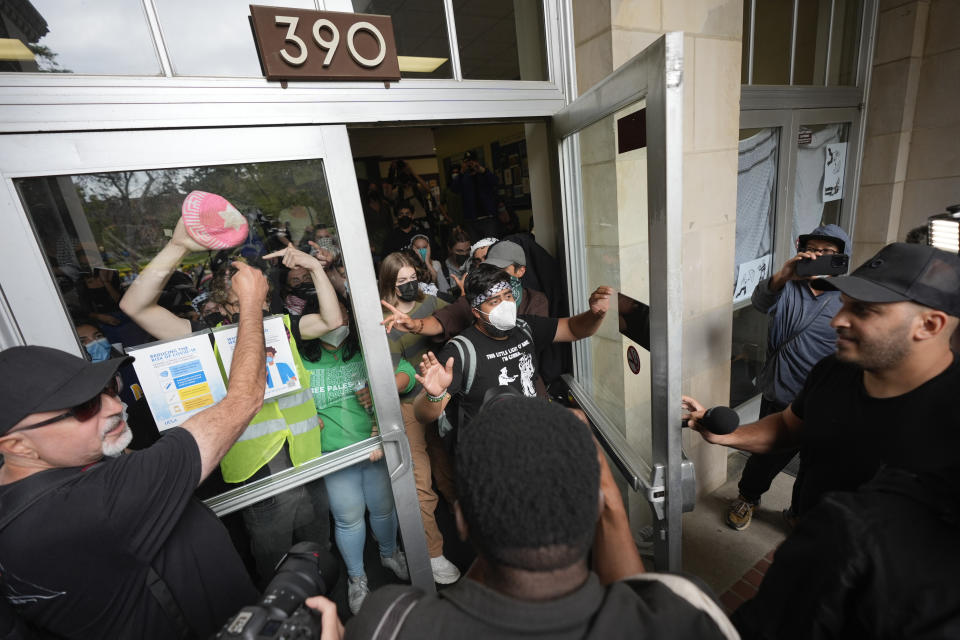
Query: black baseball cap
{"points": [[38, 379], [903, 272]]}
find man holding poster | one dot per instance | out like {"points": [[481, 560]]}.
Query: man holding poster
{"points": [[141, 557], [286, 431]]}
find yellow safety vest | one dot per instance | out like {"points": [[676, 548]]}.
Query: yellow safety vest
{"points": [[291, 418]]}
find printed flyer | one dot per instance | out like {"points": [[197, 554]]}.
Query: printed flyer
{"points": [[179, 378], [281, 370]]}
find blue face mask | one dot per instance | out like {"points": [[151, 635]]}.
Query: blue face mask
{"points": [[423, 253], [99, 350]]}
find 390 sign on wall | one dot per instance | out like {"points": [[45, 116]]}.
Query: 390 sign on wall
{"points": [[299, 44]]}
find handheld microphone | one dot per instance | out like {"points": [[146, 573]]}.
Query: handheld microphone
{"points": [[720, 420]]}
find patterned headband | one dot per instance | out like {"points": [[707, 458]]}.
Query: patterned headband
{"points": [[489, 293]]}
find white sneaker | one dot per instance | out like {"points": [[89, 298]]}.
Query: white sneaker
{"points": [[397, 563], [444, 571], [357, 591]]}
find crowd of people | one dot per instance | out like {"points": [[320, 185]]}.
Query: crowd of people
{"points": [[858, 380]]}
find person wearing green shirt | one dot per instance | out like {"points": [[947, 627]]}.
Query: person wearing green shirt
{"points": [[338, 381]]}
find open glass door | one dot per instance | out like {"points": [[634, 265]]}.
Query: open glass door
{"points": [[621, 147], [86, 211]]}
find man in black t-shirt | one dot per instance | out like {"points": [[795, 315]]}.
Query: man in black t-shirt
{"points": [[887, 396], [96, 544], [498, 350]]}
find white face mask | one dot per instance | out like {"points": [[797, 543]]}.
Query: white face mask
{"points": [[504, 315], [336, 337]]}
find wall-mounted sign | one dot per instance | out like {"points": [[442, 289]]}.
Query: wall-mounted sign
{"points": [[300, 44], [633, 359]]}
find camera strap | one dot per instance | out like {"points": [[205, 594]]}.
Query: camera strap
{"points": [[766, 374]]}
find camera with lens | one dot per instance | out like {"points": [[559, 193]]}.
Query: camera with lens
{"points": [[306, 570]]}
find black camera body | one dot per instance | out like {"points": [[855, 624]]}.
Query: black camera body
{"points": [[307, 570], [826, 265]]}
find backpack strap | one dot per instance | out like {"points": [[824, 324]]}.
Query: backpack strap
{"points": [[524, 326], [468, 362], [396, 614]]}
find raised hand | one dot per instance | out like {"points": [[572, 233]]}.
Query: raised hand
{"points": [[459, 280], [434, 376], [250, 285], [183, 239], [398, 320], [292, 257], [600, 301]]}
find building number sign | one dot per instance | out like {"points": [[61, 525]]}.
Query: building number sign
{"points": [[299, 44]]}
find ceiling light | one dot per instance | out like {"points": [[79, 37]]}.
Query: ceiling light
{"points": [[416, 64], [13, 49]]}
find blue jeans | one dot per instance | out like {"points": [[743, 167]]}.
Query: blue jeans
{"points": [[365, 485]]}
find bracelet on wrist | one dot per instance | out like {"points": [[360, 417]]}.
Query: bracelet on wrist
{"points": [[433, 398]]}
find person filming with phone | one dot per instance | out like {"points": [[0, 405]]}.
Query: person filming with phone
{"points": [[800, 336]]}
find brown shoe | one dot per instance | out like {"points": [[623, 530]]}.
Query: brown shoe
{"points": [[740, 513]]}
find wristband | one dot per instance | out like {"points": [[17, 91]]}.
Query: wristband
{"points": [[433, 398], [418, 329]]}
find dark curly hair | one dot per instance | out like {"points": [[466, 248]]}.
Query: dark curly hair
{"points": [[529, 482], [482, 277]]}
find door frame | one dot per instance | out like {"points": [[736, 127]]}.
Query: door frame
{"points": [[34, 295]]}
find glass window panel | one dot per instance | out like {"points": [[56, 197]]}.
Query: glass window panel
{"points": [[813, 26], [756, 214], [819, 189], [420, 29], [745, 45], [501, 40], [80, 36], [771, 48], [845, 47], [214, 38]]}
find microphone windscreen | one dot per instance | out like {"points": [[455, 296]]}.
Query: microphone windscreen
{"points": [[720, 420]]}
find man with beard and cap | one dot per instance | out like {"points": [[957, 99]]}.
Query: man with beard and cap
{"points": [[886, 397], [95, 544], [800, 336]]}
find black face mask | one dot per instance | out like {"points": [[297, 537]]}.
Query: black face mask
{"points": [[304, 291], [408, 291], [213, 319], [459, 259], [404, 221]]}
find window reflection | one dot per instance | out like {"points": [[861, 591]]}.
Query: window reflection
{"points": [[214, 38], [501, 40], [81, 36], [420, 29]]}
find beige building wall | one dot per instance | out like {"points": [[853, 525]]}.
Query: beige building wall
{"points": [[911, 159], [607, 34]]}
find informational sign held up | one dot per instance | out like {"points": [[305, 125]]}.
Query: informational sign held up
{"points": [[281, 370], [749, 276], [302, 44], [834, 162], [179, 378]]}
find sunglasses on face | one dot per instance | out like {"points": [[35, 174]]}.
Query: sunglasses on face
{"points": [[85, 410]]}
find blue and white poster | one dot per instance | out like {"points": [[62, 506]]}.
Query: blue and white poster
{"points": [[179, 378], [278, 357]]}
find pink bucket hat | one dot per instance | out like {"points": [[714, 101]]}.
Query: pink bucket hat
{"points": [[212, 221]]}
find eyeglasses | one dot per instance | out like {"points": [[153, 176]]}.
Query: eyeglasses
{"points": [[822, 251], [85, 410]]}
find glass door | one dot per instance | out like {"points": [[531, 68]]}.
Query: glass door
{"points": [[86, 212], [621, 142]]}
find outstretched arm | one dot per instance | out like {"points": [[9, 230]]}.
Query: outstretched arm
{"points": [[313, 325], [140, 300], [400, 321], [775, 432], [585, 324], [217, 428]]}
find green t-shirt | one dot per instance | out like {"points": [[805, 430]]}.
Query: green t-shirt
{"points": [[332, 382]]}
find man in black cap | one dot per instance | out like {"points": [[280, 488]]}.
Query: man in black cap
{"points": [[96, 544], [886, 397]]}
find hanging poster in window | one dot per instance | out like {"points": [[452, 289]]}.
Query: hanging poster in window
{"points": [[835, 159], [281, 370], [511, 166], [749, 276], [179, 378]]}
